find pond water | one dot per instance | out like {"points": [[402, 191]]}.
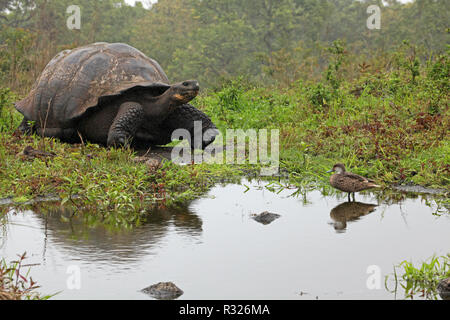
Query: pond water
{"points": [[319, 248]]}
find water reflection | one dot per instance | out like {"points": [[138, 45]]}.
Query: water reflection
{"points": [[73, 235], [212, 243], [349, 211]]}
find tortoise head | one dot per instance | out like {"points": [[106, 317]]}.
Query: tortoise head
{"points": [[338, 168], [159, 98], [184, 92]]}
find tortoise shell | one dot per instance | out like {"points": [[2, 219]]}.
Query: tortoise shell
{"points": [[75, 81]]}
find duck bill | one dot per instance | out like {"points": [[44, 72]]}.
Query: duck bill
{"points": [[330, 171]]}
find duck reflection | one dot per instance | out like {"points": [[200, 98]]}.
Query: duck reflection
{"points": [[81, 239], [349, 211]]}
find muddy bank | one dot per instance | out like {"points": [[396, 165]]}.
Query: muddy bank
{"points": [[155, 157], [46, 198], [420, 189]]}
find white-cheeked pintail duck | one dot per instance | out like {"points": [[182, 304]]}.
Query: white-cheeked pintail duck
{"points": [[349, 182]]}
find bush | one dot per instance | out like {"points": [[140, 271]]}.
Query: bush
{"points": [[230, 95], [439, 71], [8, 118], [320, 94]]}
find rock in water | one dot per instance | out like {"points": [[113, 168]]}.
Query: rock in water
{"points": [[266, 217], [163, 291], [444, 289]]}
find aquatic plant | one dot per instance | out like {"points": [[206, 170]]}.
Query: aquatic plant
{"points": [[420, 281], [15, 284]]}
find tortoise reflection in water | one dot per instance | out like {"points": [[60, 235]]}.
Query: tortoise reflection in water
{"points": [[97, 241]]}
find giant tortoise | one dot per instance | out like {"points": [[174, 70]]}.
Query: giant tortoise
{"points": [[111, 94]]}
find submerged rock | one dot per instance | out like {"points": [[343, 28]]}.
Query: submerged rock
{"points": [[444, 289], [163, 291], [266, 217], [419, 189]]}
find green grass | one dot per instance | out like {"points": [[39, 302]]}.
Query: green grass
{"points": [[99, 180], [393, 133], [382, 125], [420, 281]]}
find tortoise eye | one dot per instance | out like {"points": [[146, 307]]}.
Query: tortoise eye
{"points": [[185, 83]]}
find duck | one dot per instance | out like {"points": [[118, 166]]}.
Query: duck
{"points": [[349, 182]]}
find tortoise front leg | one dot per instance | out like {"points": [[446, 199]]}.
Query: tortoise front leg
{"points": [[184, 117], [128, 119]]}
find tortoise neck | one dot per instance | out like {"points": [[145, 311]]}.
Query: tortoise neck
{"points": [[162, 105]]}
